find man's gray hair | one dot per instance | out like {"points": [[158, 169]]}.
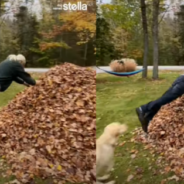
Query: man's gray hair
{"points": [[18, 58]]}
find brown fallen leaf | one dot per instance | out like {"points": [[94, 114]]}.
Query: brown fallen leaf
{"points": [[128, 170], [122, 144], [163, 181], [167, 169], [13, 182], [139, 171], [130, 177], [174, 177], [162, 132], [133, 151], [133, 156]]}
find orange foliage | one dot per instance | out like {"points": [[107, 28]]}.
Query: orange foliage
{"points": [[83, 23]]}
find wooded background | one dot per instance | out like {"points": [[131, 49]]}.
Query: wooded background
{"points": [[140, 30], [59, 36]]}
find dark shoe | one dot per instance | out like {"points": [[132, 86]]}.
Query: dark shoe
{"points": [[142, 119]]}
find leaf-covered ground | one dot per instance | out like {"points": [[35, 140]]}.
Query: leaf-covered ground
{"points": [[117, 99], [51, 128], [5, 98]]}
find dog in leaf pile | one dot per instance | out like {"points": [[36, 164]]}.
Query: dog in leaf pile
{"points": [[105, 147]]}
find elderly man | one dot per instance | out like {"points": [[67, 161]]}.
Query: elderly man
{"points": [[12, 69]]}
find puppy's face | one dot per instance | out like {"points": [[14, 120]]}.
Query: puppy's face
{"points": [[122, 128], [115, 130]]}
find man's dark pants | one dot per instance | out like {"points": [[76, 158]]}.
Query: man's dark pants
{"points": [[175, 91]]}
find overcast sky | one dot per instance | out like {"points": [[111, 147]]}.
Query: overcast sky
{"points": [[11, 8], [106, 1]]}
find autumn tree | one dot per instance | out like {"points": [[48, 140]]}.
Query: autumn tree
{"points": [[104, 48], [128, 35], [83, 24], [73, 32], [25, 30], [3, 29], [179, 41], [124, 20], [8, 41], [2, 4], [169, 42]]}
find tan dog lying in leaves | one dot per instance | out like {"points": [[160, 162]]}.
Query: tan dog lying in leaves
{"points": [[105, 147]]}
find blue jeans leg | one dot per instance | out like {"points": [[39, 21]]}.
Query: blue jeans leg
{"points": [[176, 90]]}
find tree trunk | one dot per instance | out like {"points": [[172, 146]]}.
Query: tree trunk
{"points": [[146, 38], [85, 53], [0, 7], [155, 38]]}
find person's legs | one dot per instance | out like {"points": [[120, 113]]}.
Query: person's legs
{"points": [[148, 111]]}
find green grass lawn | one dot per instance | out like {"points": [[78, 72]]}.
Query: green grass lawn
{"points": [[15, 88], [117, 99], [8, 95]]}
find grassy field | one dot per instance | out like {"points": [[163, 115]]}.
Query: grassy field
{"points": [[7, 96], [117, 99], [10, 93]]}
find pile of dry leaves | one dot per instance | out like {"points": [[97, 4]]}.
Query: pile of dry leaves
{"points": [[49, 130], [166, 135]]}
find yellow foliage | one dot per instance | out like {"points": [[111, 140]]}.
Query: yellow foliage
{"points": [[136, 53], [82, 22], [109, 7], [50, 45], [120, 39]]}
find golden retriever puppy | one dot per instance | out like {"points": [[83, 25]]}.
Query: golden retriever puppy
{"points": [[123, 65], [105, 147]]}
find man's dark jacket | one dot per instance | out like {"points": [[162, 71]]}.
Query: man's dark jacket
{"points": [[13, 71]]}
